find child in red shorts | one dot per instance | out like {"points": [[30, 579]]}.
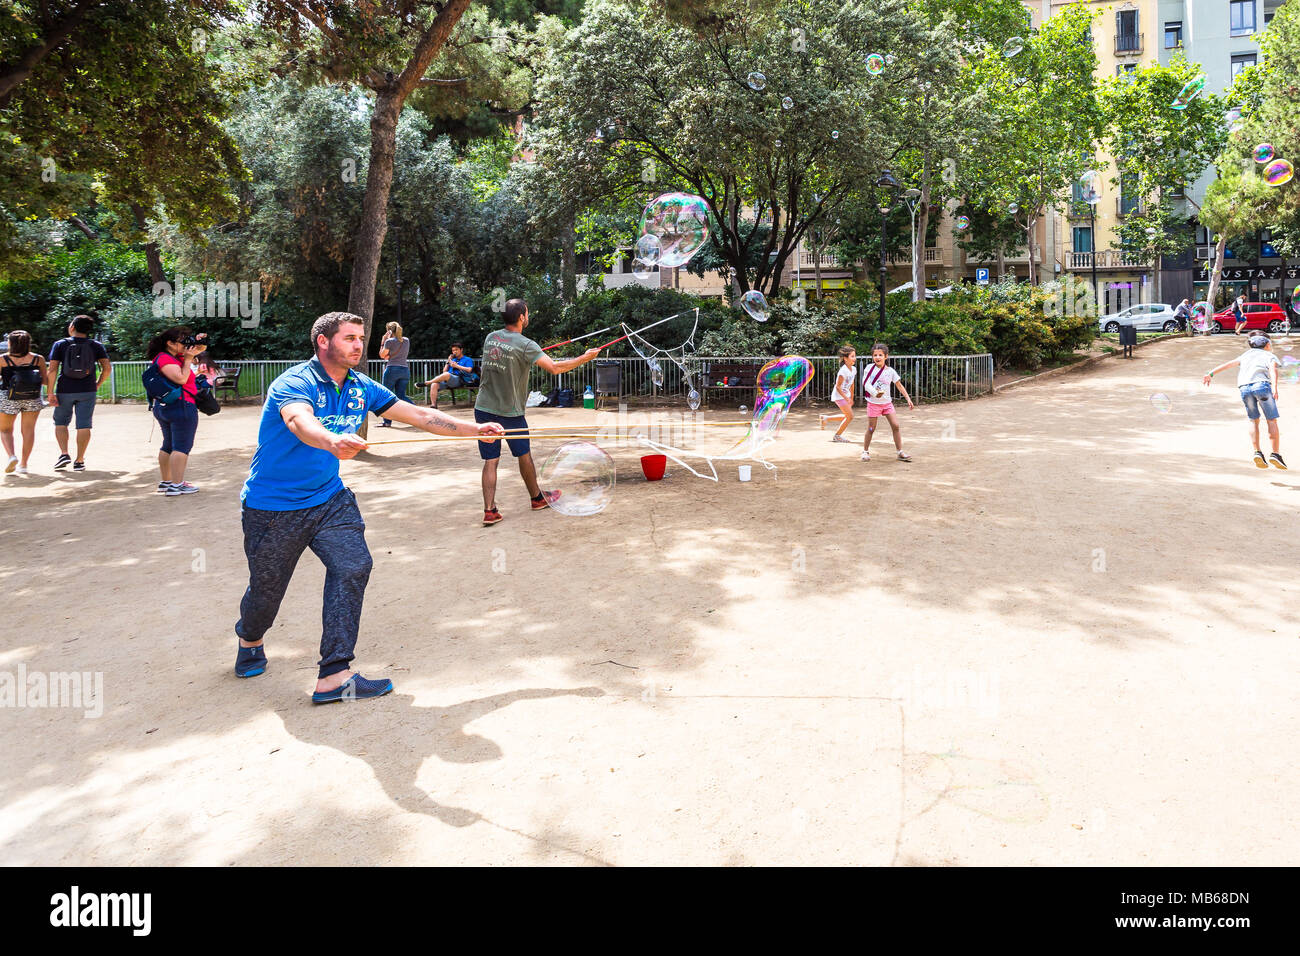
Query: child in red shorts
{"points": [[875, 385]]}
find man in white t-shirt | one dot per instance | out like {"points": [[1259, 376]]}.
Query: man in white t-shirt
{"points": [[1257, 382]]}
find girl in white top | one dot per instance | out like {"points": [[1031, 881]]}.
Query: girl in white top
{"points": [[1257, 384], [842, 394], [875, 385]]}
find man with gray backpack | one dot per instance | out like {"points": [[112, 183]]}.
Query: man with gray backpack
{"points": [[80, 365]]}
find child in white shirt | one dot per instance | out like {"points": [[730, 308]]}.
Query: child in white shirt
{"points": [[1257, 383], [842, 394], [875, 385]]}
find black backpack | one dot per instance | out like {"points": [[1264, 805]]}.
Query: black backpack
{"points": [[25, 381], [78, 358], [559, 398]]}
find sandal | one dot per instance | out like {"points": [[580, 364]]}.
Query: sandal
{"points": [[904, 456], [840, 438]]}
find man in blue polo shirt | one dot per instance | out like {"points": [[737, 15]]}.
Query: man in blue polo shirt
{"points": [[294, 499]]}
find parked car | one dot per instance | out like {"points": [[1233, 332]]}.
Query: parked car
{"points": [[1267, 316], [1151, 317]]}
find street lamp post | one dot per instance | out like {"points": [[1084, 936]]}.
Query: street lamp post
{"points": [[1092, 231]]}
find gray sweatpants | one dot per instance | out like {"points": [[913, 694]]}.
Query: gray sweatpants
{"points": [[273, 543]]}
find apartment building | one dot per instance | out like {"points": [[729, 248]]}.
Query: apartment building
{"points": [[1223, 37]]}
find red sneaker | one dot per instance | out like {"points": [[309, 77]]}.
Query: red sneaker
{"points": [[544, 500], [491, 516]]}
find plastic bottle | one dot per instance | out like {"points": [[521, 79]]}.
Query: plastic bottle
{"points": [[588, 398]]}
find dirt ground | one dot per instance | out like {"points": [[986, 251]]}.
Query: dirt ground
{"points": [[1061, 635]]}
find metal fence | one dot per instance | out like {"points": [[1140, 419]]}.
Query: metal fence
{"points": [[927, 378]]}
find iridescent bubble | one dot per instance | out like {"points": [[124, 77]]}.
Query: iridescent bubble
{"points": [[1262, 153], [1090, 187], [1295, 300], [1162, 403], [755, 304], [584, 476], [1278, 172], [1159, 141], [642, 269], [756, 81], [656, 374], [1190, 91], [889, 59], [648, 248], [787, 103], [779, 383], [875, 64], [1233, 118], [693, 399], [962, 223], [1013, 46], [835, 134], [744, 408], [681, 223], [1202, 317], [1013, 208], [777, 144]]}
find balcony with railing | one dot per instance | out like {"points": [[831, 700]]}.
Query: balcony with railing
{"points": [[1128, 43], [934, 256], [1106, 259]]}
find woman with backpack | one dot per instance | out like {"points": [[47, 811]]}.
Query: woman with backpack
{"points": [[395, 352], [173, 351], [21, 377]]}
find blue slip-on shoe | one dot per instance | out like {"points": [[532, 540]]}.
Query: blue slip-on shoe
{"points": [[355, 687], [250, 661]]}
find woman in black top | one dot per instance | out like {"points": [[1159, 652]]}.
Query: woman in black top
{"points": [[22, 374]]}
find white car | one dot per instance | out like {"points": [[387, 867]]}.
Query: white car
{"points": [[1152, 317]]}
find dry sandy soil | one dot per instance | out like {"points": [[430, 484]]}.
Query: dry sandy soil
{"points": [[1062, 635]]}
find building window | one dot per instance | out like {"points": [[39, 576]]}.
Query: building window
{"points": [[1243, 17], [1083, 239], [1125, 68], [1173, 34], [1127, 38], [1240, 61]]}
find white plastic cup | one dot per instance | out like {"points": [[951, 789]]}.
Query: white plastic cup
{"points": [[744, 472]]}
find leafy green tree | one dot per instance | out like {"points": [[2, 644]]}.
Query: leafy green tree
{"points": [[1159, 151], [676, 111], [1047, 121], [1235, 203], [111, 102]]}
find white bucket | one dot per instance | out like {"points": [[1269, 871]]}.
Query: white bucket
{"points": [[744, 472]]}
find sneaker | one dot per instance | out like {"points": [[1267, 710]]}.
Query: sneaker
{"points": [[13, 463], [78, 466], [1260, 461], [63, 462], [1277, 461], [355, 687], [491, 516], [163, 486], [250, 661], [22, 469], [866, 456], [184, 488], [544, 500]]}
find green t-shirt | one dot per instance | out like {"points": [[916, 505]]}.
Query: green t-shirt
{"points": [[507, 357]]}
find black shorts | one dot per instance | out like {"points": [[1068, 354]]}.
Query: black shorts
{"points": [[491, 450]]}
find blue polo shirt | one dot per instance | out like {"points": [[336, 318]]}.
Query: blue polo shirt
{"points": [[288, 474]]}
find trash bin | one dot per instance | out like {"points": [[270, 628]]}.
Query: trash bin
{"points": [[1128, 337]]}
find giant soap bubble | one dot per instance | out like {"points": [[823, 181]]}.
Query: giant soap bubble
{"points": [[680, 221], [584, 476], [1090, 187]]}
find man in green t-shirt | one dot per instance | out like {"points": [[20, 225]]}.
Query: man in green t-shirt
{"points": [[502, 396]]}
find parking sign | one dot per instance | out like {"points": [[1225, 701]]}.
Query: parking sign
{"points": [[981, 276]]}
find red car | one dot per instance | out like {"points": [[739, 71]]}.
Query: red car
{"points": [[1267, 316]]}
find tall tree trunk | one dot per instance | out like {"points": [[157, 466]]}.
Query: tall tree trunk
{"points": [[918, 241], [1002, 263], [817, 270], [1029, 243], [1217, 272], [150, 248], [568, 257]]}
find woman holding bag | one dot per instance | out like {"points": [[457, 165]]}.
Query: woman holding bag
{"points": [[173, 351]]}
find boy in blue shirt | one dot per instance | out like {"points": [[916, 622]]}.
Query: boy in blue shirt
{"points": [[294, 499]]}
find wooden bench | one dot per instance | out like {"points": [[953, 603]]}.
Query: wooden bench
{"points": [[444, 390], [743, 374]]}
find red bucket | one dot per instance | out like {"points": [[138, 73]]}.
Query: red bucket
{"points": [[653, 466]]}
